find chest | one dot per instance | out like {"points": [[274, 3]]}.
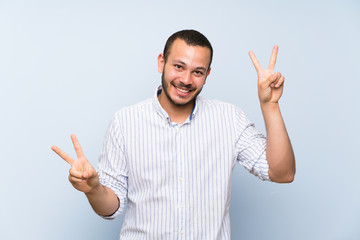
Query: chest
{"points": [[158, 154]]}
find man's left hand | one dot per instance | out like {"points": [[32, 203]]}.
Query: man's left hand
{"points": [[270, 84]]}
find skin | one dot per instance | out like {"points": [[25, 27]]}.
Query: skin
{"points": [[279, 152], [84, 178], [184, 74]]}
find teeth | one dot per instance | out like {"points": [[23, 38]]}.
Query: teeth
{"points": [[182, 90]]}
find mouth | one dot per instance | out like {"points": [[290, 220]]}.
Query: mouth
{"points": [[183, 90]]}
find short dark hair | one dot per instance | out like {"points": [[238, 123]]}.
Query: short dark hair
{"points": [[192, 38]]}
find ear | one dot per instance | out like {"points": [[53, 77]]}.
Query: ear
{"points": [[207, 74], [161, 62]]}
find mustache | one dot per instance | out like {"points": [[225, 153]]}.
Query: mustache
{"points": [[182, 85]]}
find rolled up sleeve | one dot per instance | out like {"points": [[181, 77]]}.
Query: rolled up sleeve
{"points": [[251, 148], [112, 167]]}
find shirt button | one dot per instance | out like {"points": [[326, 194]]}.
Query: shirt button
{"points": [[180, 179], [182, 232]]}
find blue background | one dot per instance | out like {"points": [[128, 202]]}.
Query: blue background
{"points": [[67, 66]]}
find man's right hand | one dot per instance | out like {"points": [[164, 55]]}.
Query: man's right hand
{"points": [[82, 174]]}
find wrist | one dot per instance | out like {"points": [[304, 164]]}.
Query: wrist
{"points": [[97, 188], [269, 106]]}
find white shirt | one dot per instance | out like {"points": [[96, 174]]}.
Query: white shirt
{"points": [[176, 178]]}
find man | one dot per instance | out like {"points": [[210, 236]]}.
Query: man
{"points": [[170, 158]]}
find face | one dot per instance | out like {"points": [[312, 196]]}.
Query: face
{"points": [[184, 73]]}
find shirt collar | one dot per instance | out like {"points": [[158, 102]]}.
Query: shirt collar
{"points": [[163, 114]]}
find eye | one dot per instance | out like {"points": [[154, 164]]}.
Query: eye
{"points": [[177, 66], [199, 73]]}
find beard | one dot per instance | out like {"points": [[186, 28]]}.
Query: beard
{"points": [[165, 85]]}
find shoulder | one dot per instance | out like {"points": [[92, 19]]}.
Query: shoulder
{"points": [[217, 109], [128, 113], [207, 104], [135, 107]]}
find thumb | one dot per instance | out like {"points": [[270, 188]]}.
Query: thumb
{"points": [[85, 174], [273, 78], [89, 173]]}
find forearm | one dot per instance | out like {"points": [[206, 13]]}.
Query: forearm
{"points": [[103, 200], [279, 152]]}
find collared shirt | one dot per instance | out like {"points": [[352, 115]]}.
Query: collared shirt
{"points": [[176, 178]]}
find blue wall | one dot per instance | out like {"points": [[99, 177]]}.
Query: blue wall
{"points": [[67, 66]]}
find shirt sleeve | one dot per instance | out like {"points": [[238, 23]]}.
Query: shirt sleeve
{"points": [[112, 167], [251, 147]]}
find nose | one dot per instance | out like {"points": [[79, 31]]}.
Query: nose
{"points": [[186, 78]]}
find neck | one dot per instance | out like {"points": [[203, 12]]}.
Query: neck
{"points": [[177, 113]]}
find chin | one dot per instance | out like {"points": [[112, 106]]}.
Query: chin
{"points": [[180, 102]]}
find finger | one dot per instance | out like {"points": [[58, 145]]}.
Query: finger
{"points": [[73, 179], [255, 61], [83, 174], [280, 82], [272, 79], [78, 149], [86, 175], [90, 173], [75, 173], [62, 154], [273, 58]]}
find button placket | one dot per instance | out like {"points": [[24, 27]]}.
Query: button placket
{"points": [[181, 189]]}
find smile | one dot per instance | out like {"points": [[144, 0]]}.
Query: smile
{"points": [[182, 90]]}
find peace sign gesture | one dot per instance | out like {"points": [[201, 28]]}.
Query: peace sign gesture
{"points": [[270, 84], [82, 174]]}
